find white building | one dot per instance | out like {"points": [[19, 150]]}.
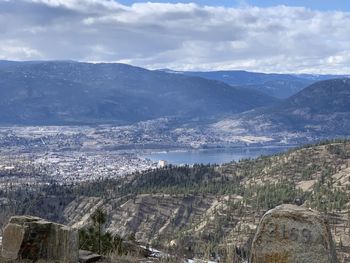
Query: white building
{"points": [[162, 163]]}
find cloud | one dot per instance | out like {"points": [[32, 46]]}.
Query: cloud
{"points": [[178, 36], [18, 51]]}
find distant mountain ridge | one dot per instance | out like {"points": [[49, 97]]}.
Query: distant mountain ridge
{"points": [[323, 97], [277, 85], [323, 108], [68, 92]]}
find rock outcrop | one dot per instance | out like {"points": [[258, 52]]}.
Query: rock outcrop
{"points": [[33, 238], [293, 234], [86, 256]]}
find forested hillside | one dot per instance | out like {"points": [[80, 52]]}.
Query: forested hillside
{"points": [[204, 209]]}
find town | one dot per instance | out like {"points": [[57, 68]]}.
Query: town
{"points": [[32, 155]]}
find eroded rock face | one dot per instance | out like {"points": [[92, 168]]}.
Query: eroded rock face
{"points": [[293, 234], [34, 238]]}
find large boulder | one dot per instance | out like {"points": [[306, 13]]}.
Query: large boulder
{"points": [[33, 238], [293, 234]]}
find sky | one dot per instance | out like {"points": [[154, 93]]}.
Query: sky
{"points": [[268, 35], [313, 4]]}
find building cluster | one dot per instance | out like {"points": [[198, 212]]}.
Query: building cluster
{"points": [[67, 167]]}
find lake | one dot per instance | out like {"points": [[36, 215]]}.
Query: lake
{"points": [[218, 156]]}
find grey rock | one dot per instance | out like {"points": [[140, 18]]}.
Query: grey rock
{"points": [[86, 256], [11, 246], [293, 234], [33, 238]]}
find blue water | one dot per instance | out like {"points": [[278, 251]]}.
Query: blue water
{"points": [[213, 156]]}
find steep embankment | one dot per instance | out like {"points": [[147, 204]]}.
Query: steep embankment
{"points": [[219, 207]]}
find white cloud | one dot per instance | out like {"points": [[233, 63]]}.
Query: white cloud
{"points": [[179, 36], [12, 49]]}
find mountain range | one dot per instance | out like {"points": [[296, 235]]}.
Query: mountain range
{"points": [[280, 86], [322, 108], [66, 92]]}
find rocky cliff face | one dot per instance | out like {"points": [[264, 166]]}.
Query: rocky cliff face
{"points": [[320, 174], [32, 238]]}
